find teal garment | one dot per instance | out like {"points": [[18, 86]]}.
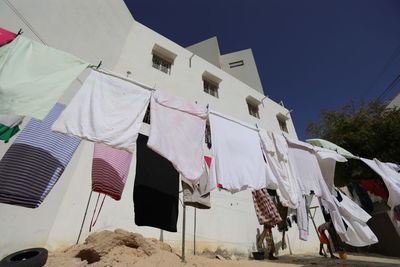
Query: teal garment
{"points": [[34, 76], [7, 132]]}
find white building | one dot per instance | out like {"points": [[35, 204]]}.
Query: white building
{"points": [[105, 30]]}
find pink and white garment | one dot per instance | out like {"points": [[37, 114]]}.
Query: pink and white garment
{"points": [[177, 133], [110, 170]]}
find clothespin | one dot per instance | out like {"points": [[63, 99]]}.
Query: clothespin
{"points": [[98, 66], [19, 32], [256, 125], [207, 106]]}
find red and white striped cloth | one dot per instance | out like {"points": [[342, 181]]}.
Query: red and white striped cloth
{"points": [[110, 170]]}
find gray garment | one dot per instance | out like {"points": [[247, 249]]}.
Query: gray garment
{"points": [[197, 195]]}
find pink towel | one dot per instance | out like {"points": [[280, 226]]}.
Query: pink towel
{"points": [[109, 170], [6, 36]]}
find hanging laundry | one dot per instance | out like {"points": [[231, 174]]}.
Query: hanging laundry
{"points": [[34, 76], [361, 197], [266, 211], [110, 169], [311, 181], [394, 166], [9, 126], [35, 161], [238, 161], [105, 110], [356, 218], [327, 162], [197, 195], [6, 36], [177, 133], [156, 189], [390, 177], [275, 149], [375, 187]]}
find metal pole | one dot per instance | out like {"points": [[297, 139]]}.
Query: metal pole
{"points": [[84, 216], [315, 226], [194, 233], [183, 232]]}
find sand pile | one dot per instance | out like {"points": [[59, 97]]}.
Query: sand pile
{"points": [[109, 248]]}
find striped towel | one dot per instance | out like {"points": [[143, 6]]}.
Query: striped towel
{"points": [[34, 162], [110, 169]]}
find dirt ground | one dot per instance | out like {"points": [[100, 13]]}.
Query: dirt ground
{"points": [[121, 248]]}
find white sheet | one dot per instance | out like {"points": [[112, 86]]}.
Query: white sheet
{"points": [[275, 149], [327, 162], [356, 218], [177, 133], [105, 110], [309, 176], [238, 162]]}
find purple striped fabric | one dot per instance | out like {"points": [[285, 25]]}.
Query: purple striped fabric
{"points": [[35, 161], [110, 170]]}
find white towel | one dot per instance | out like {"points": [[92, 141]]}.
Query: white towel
{"points": [[308, 173], [276, 152], [105, 110], [238, 162], [356, 218], [177, 133]]}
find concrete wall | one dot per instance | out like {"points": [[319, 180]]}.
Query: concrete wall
{"points": [[395, 102], [247, 73], [104, 30], [208, 50]]}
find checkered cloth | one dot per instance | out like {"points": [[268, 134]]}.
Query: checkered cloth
{"points": [[266, 210]]}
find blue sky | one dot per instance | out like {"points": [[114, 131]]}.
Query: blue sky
{"points": [[312, 54]]}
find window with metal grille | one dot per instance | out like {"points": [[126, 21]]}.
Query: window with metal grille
{"points": [[253, 110], [162, 64], [146, 118], [210, 88], [282, 124]]}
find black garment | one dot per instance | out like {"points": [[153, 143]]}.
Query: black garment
{"points": [[156, 189], [366, 202]]}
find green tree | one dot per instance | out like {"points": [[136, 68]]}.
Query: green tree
{"points": [[369, 131]]}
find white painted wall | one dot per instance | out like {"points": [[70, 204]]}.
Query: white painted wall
{"points": [[105, 30], [247, 73]]}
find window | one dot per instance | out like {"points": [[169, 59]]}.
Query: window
{"points": [[161, 64], [282, 123], [163, 59], [252, 105], [236, 64], [211, 84], [210, 88], [253, 110]]}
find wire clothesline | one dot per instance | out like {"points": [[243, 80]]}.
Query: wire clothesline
{"points": [[93, 67]]}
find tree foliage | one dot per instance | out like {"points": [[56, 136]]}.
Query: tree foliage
{"points": [[369, 131]]}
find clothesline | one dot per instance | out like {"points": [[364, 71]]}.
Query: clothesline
{"points": [[122, 78]]}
